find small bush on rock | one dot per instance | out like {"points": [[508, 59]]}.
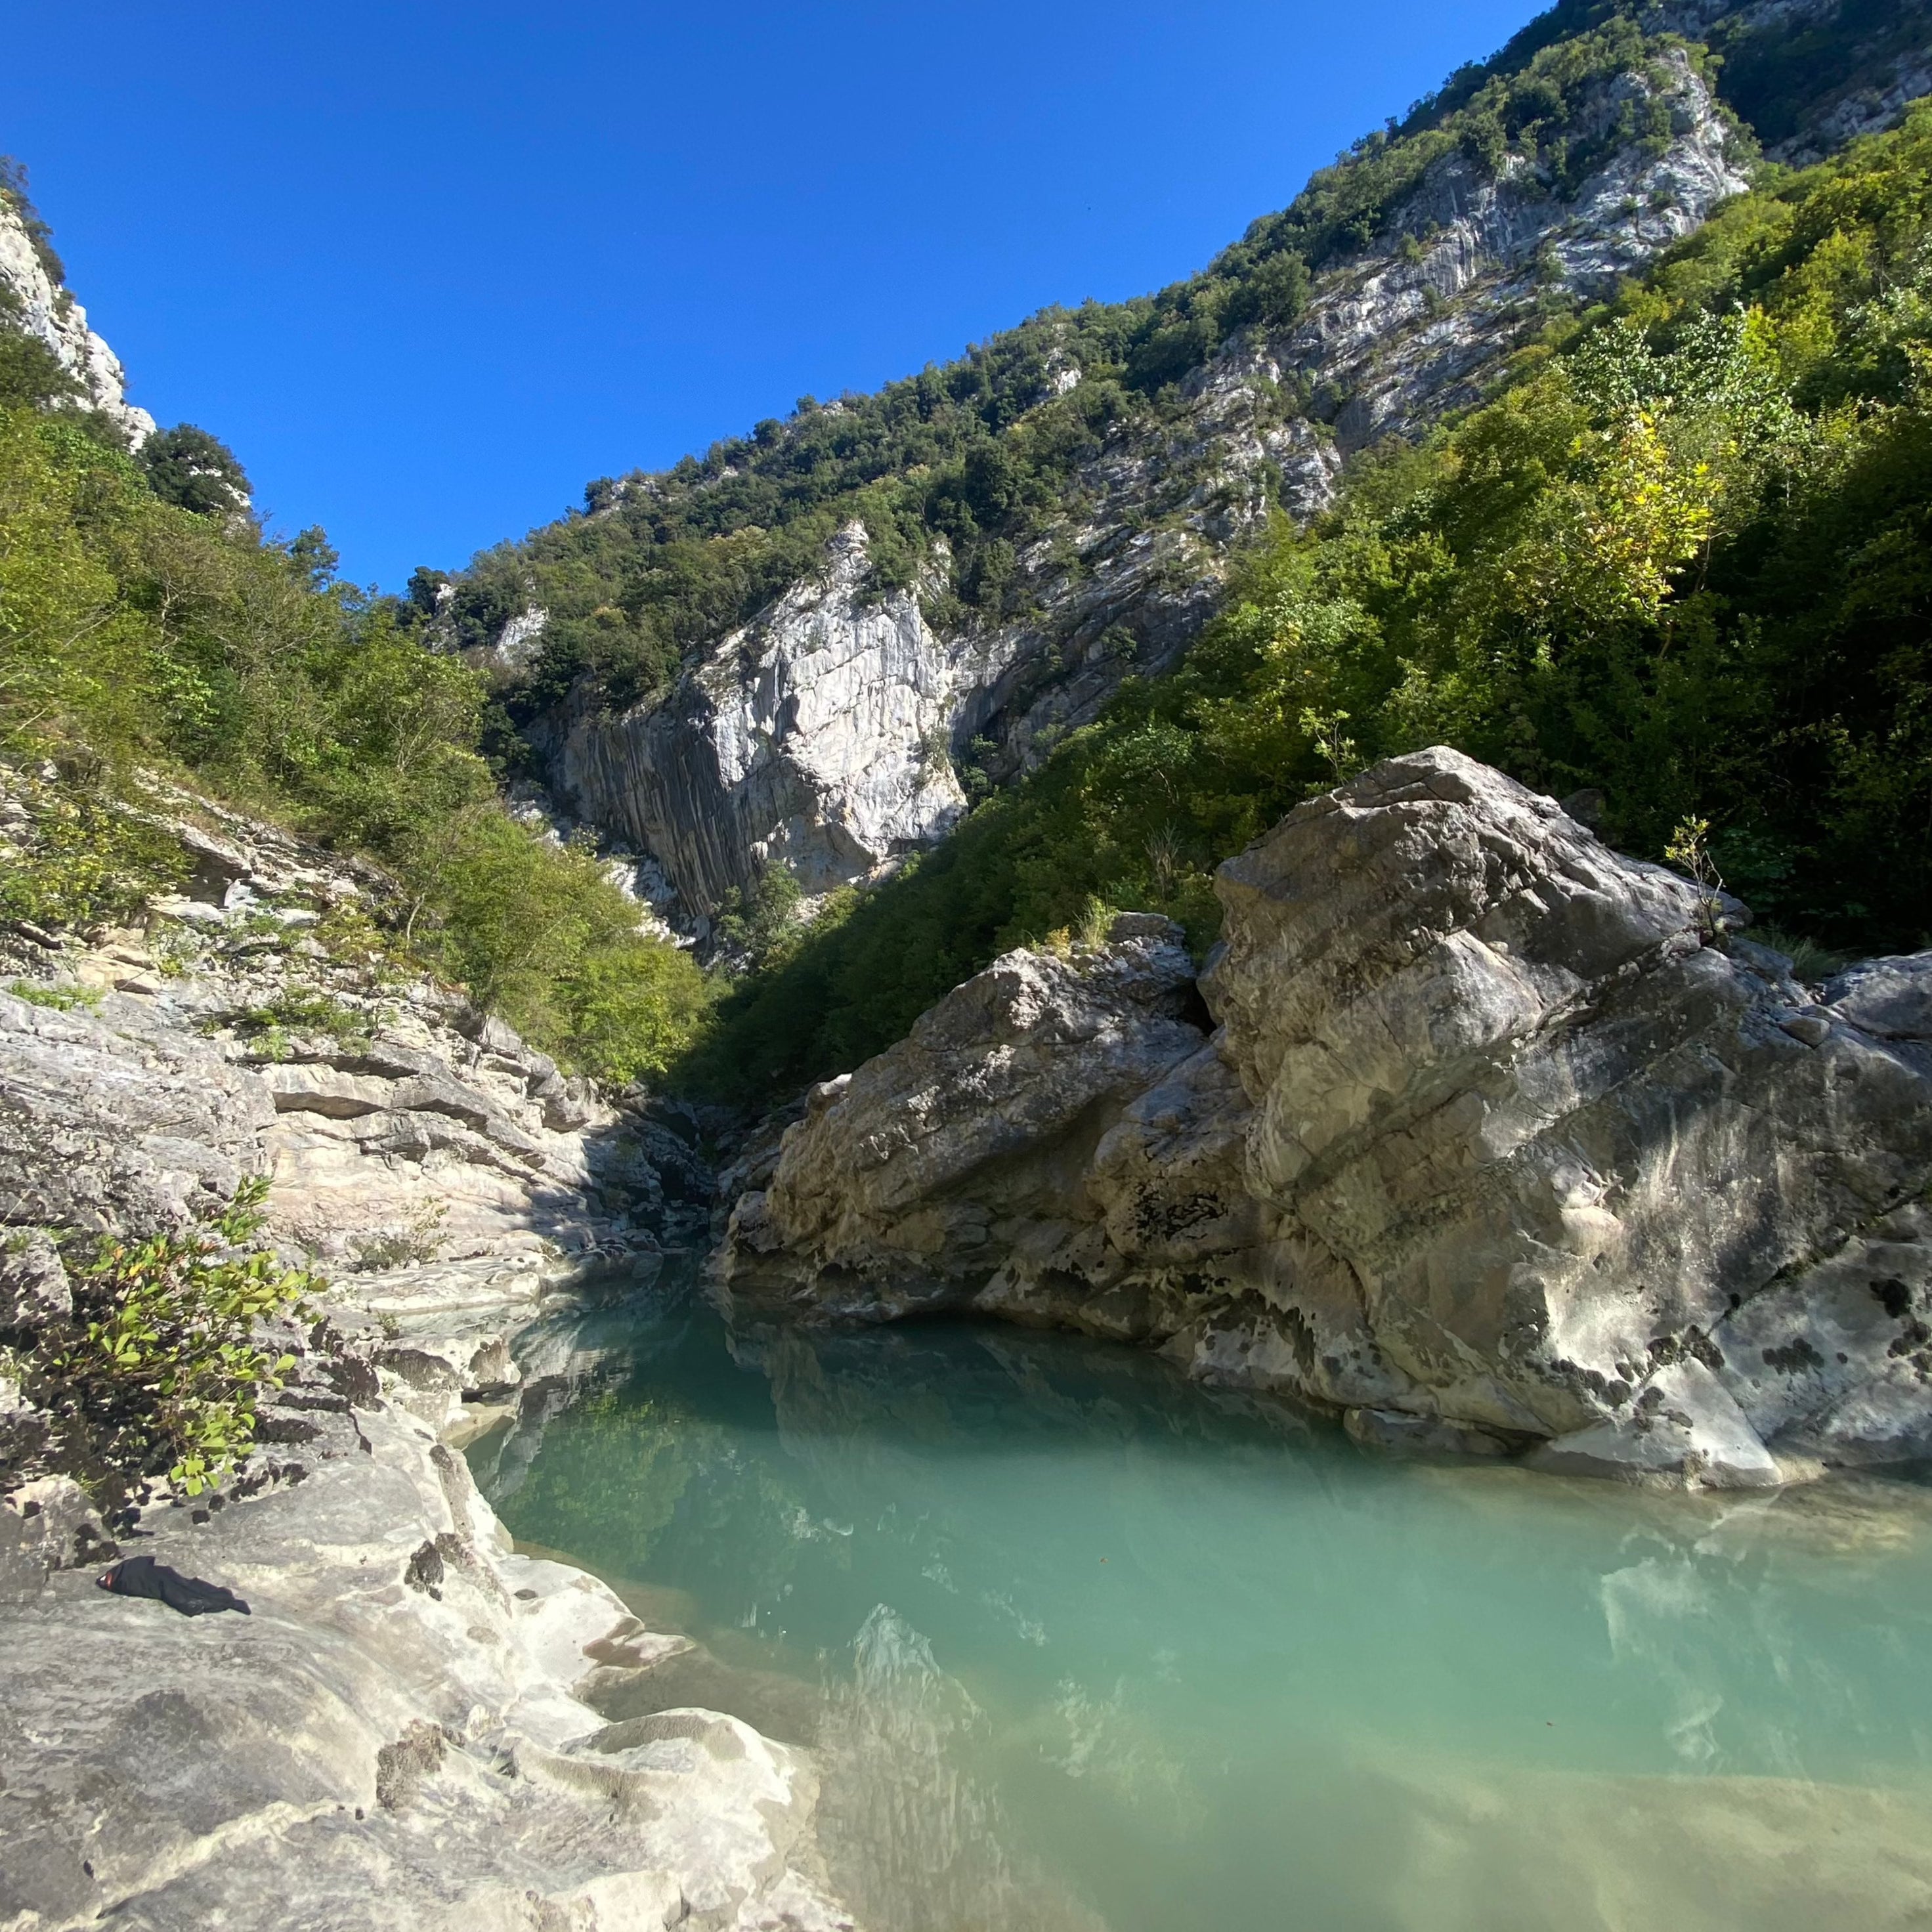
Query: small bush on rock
{"points": [[158, 1373], [84, 863]]}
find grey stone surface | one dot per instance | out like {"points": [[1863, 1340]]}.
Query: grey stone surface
{"points": [[34, 1288], [391, 1738], [103, 1127], [394, 1737], [906, 1182], [1487, 1138], [818, 737]]}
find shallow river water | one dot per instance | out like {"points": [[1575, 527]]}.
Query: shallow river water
{"points": [[1084, 1646]]}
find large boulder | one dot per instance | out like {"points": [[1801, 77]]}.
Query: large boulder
{"points": [[1560, 1144], [1491, 1136], [908, 1182]]}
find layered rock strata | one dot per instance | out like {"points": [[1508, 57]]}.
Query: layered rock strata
{"points": [[1489, 1148], [407, 1730], [412, 1729], [817, 737]]}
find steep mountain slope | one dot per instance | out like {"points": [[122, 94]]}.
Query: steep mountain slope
{"points": [[816, 646]]}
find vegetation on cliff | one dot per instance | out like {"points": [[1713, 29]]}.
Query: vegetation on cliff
{"points": [[146, 622], [955, 471], [1682, 562]]}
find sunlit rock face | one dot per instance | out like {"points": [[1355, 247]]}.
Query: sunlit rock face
{"points": [[1491, 1148], [32, 300], [817, 737], [824, 734], [1417, 324]]}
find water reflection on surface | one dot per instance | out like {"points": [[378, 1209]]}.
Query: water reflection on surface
{"points": [[1083, 1646]]}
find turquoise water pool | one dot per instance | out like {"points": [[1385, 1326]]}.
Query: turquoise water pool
{"points": [[1081, 1645]]}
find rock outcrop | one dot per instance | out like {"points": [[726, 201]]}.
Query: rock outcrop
{"points": [[1489, 1150], [33, 300], [406, 1731], [413, 1728], [396, 1124], [907, 1181], [817, 737]]}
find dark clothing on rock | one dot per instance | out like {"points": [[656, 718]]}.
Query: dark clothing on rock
{"points": [[143, 1576]]}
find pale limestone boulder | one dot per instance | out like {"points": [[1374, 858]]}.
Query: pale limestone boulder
{"points": [[907, 1183], [114, 1119], [326, 1090], [1685, 1423], [394, 1737], [1559, 1143], [1491, 1148]]}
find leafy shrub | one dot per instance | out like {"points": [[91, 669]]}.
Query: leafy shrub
{"points": [[762, 926], [87, 862], [537, 932], [135, 630], [57, 999], [302, 1012], [159, 1371], [31, 376], [195, 472]]}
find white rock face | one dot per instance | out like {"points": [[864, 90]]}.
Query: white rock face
{"points": [[817, 737], [1395, 342], [50, 313], [1487, 1139], [916, 1170]]}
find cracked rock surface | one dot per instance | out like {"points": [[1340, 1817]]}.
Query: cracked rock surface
{"points": [[1488, 1149], [407, 1730]]}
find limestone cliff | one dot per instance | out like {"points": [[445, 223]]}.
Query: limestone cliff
{"points": [[34, 299], [824, 735], [817, 737]]}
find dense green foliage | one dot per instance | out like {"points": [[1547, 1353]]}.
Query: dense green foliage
{"points": [[194, 471], [158, 1371], [144, 622], [1685, 561]]}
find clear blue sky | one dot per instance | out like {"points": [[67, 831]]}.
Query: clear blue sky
{"points": [[431, 267]]}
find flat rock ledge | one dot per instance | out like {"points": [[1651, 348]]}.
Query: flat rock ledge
{"points": [[1470, 1130]]}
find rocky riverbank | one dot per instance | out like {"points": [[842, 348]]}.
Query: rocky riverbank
{"points": [[1472, 1130], [410, 1729]]}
